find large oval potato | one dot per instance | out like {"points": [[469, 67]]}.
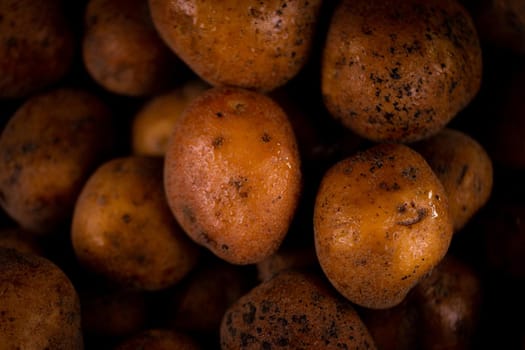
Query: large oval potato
{"points": [[37, 47], [232, 173], [400, 70], [47, 150], [39, 307], [249, 44], [123, 229], [381, 223]]}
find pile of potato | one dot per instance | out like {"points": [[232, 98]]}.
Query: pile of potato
{"points": [[262, 174]]}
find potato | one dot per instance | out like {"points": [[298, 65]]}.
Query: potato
{"points": [[198, 303], [381, 223], [112, 312], [47, 150], [399, 70], [293, 310], [159, 339], [123, 229], [250, 44], [286, 258], [123, 52], [15, 237], [39, 308], [232, 174], [463, 167], [37, 46], [449, 302], [153, 123]]}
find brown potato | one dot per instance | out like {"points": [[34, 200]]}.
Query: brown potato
{"points": [[449, 302], [381, 223], [293, 310], [37, 46], [39, 306], [463, 167], [250, 44], [15, 237], [153, 123], [123, 229], [198, 303], [47, 150], [400, 70], [159, 339], [232, 174], [122, 51], [287, 258]]}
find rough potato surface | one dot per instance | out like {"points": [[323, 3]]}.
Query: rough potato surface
{"points": [[381, 223]]}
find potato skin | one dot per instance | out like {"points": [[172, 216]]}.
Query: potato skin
{"points": [[463, 167], [249, 44], [232, 174], [48, 149], [123, 230], [37, 46], [153, 123], [399, 70], [294, 309], [122, 50], [159, 339], [381, 222], [40, 308]]}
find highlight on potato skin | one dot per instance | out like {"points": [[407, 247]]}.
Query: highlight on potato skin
{"points": [[381, 223], [232, 174], [399, 71], [257, 45]]}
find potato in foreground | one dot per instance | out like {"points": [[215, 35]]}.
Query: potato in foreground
{"points": [[123, 229], [399, 71], [39, 306], [232, 174], [381, 223], [293, 310], [48, 149], [463, 167], [249, 44]]}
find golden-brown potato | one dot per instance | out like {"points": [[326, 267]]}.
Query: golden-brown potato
{"points": [[47, 150], [381, 223], [249, 44], [159, 339], [122, 51], [37, 46], [232, 174], [293, 310], [123, 229], [153, 123], [449, 301], [463, 167], [400, 70], [39, 307]]}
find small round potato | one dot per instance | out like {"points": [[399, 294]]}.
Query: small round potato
{"points": [[381, 223], [39, 306], [232, 173], [123, 229], [251, 44], [48, 149], [463, 167], [37, 46], [153, 124], [122, 51], [399, 71], [293, 310]]}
